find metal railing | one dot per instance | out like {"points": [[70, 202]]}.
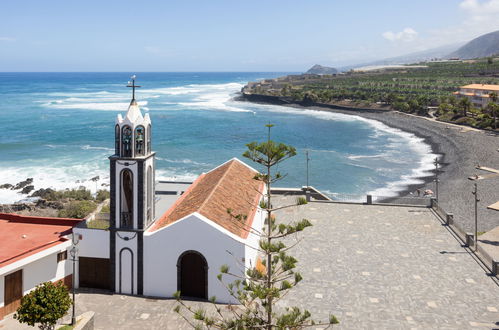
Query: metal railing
{"points": [[126, 220], [372, 199]]}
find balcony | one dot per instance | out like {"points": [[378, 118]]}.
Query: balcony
{"points": [[126, 220]]}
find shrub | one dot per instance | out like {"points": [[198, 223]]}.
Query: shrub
{"points": [[77, 209], [46, 304], [102, 195]]}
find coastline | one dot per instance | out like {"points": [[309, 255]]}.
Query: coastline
{"points": [[459, 150]]}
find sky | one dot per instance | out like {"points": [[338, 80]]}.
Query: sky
{"points": [[229, 35]]}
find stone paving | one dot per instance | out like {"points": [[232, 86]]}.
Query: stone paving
{"points": [[374, 267], [388, 267]]}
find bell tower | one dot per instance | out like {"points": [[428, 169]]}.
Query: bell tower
{"points": [[132, 196]]}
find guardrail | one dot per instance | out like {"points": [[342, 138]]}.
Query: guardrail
{"points": [[467, 239], [373, 199]]}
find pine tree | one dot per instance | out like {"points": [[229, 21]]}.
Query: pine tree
{"points": [[263, 285]]}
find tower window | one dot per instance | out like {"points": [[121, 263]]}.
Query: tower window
{"points": [[139, 140], [149, 138], [126, 141], [126, 214], [117, 140], [149, 195]]}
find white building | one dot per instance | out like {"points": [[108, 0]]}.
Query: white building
{"points": [[34, 250], [478, 94], [168, 236]]}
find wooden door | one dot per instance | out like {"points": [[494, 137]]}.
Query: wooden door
{"points": [[13, 291], [193, 276], [94, 273]]}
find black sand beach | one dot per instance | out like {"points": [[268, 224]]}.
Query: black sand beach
{"points": [[462, 148]]}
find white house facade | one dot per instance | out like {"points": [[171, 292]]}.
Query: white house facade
{"points": [[34, 250]]}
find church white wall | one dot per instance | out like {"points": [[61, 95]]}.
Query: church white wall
{"points": [[252, 241], [163, 248], [94, 243], [129, 261]]}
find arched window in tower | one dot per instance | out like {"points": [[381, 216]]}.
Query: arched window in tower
{"points": [[117, 140], [149, 138], [150, 188], [126, 197], [139, 141], [126, 141]]}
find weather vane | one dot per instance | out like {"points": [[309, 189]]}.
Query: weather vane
{"points": [[133, 86]]}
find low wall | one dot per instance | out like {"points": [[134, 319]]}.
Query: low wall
{"points": [[467, 239]]}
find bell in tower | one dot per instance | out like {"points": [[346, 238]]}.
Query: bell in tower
{"points": [[132, 192]]}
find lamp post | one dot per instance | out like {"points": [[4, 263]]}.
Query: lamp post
{"points": [[307, 192], [475, 193], [308, 159], [73, 251], [436, 178]]}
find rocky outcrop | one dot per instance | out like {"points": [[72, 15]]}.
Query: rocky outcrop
{"points": [[319, 69]]}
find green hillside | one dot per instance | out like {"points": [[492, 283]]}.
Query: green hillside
{"points": [[412, 89]]}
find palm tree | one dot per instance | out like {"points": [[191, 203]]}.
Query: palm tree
{"points": [[465, 105], [493, 107]]}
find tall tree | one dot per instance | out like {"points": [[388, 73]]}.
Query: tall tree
{"points": [[464, 105], [260, 288]]}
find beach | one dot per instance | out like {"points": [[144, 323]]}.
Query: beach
{"points": [[460, 150]]}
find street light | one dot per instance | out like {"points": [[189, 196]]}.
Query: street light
{"points": [[436, 178], [73, 251], [475, 193]]}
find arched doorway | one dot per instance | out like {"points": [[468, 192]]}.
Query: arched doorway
{"points": [[192, 275]]}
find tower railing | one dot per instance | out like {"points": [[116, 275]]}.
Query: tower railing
{"points": [[126, 220]]}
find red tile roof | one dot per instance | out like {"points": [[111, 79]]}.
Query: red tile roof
{"points": [[22, 236], [229, 186]]}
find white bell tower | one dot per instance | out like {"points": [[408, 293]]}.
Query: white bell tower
{"points": [[132, 196]]}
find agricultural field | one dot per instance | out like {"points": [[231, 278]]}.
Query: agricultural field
{"points": [[424, 89]]}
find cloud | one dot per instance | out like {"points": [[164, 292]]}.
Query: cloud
{"points": [[407, 34], [480, 13], [7, 39]]}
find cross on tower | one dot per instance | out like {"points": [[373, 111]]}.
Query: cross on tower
{"points": [[133, 86]]}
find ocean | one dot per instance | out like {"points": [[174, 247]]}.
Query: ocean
{"points": [[58, 128]]}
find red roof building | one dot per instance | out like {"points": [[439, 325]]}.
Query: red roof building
{"points": [[33, 250]]}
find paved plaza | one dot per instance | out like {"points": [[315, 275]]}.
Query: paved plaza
{"points": [[374, 267]]}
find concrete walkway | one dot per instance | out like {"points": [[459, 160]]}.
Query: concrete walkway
{"points": [[373, 266]]}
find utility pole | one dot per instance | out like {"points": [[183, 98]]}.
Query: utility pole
{"points": [[436, 178], [475, 193]]}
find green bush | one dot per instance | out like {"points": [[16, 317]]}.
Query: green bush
{"points": [[105, 209], [77, 209], [102, 195], [46, 304]]}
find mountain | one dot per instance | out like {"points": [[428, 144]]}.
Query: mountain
{"points": [[425, 55], [319, 69], [483, 46]]}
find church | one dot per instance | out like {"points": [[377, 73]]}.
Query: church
{"points": [[168, 236]]}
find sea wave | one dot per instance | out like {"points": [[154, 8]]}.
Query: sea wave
{"points": [[398, 137], [181, 161], [107, 106], [89, 147]]}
